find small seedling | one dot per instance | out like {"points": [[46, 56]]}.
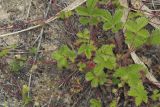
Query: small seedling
{"points": [[25, 98], [17, 64]]}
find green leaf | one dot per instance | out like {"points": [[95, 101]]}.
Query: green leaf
{"points": [[86, 49], [84, 20], [62, 63], [82, 49], [131, 26], [137, 39], [143, 33], [98, 70], [83, 11], [94, 82], [81, 66], [89, 76], [63, 55], [85, 34], [106, 57], [155, 37], [71, 55], [141, 22], [117, 27], [91, 3], [96, 12], [57, 56], [107, 26], [97, 76], [117, 16], [137, 25], [133, 15], [88, 52], [114, 23], [107, 16], [156, 95], [139, 93], [94, 21]]}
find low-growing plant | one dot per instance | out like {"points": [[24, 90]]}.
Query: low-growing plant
{"points": [[3, 53], [96, 61], [17, 64]]}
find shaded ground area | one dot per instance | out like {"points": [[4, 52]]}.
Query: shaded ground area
{"points": [[51, 87]]}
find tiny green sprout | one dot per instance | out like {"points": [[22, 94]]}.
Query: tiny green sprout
{"points": [[26, 99], [64, 15], [95, 103], [63, 55], [155, 37], [112, 22], [156, 95], [136, 35]]}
